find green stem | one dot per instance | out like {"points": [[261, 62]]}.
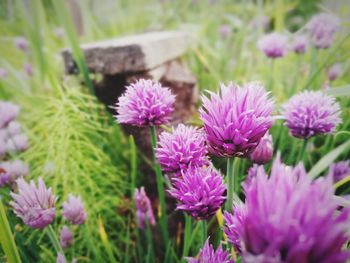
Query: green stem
{"points": [[296, 76], [160, 188], [313, 62], [54, 240], [272, 75], [204, 231], [231, 183], [149, 240], [187, 235], [302, 151], [7, 239]]}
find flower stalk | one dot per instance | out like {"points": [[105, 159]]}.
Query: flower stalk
{"points": [[54, 240], [231, 183]]}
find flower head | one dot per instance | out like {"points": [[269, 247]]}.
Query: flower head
{"points": [[73, 210], [66, 237], [236, 119], [28, 69], [273, 45], [310, 113], [299, 44], [145, 103], [264, 151], [8, 112], [207, 254], [18, 142], [200, 192], [322, 28], [22, 43], [35, 205], [289, 218], [335, 71], [14, 128], [3, 73], [252, 172], [14, 170], [181, 148], [339, 170], [224, 31], [143, 208]]}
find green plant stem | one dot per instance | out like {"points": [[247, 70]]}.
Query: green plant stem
{"points": [[272, 74], [187, 235], [296, 76], [302, 151], [160, 188], [149, 240], [231, 183], [54, 240], [204, 231], [6, 238], [313, 62]]}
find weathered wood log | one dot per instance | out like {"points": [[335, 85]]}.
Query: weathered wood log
{"points": [[132, 53]]}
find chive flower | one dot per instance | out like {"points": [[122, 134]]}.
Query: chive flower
{"points": [[200, 192], [322, 28], [273, 45], [334, 71], [144, 210], [145, 103], [287, 217], [13, 170], [66, 237], [207, 254], [310, 113], [8, 112], [236, 119], [34, 204], [180, 149], [339, 170], [264, 151], [299, 44], [73, 210]]}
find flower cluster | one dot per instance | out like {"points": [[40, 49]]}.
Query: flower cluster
{"points": [[310, 113], [264, 151], [274, 45], [200, 192], [236, 119], [145, 103], [339, 170], [287, 217], [144, 210], [180, 149], [299, 44], [73, 210]]}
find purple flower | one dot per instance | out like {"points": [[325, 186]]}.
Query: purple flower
{"points": [[14, 128], [35, 205], [14, 170], [289, 218], [18, 142], [143, 208], [339, 170], [145, 103], [252, 172], [4, 177], [61, 258], [28, 69], [299, 44], [322, 28], [22, 44], [207, 254], [73, 210], [310, 113], [224, 31], [3, 73], [273, 45], [236, 119], [181, 148], [8, 112], [66, 237], [200, 192], [59, 32], [264, 151], [3, 148], [334, 71]]}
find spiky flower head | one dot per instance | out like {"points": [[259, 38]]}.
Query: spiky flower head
{"points": [[144, 210], [288, 218], [299, 44], [8, 112], [145, 103], [14, 170], [273, 45], [200, 192], [66, 237], [207, 254], [181, 148], [264, 151], [35, 205], [73, 210], [339, 170], [310, 113], [334, 71], [322, 28], [22, 43], [18, 142], [236, 119]]}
